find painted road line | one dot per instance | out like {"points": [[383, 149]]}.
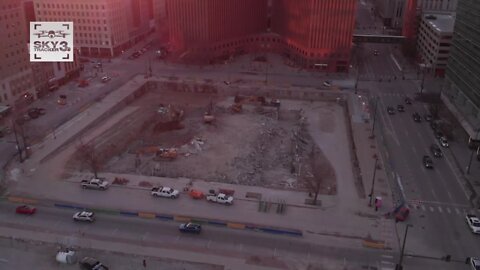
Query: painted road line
{"points": [[448, 210], [456, 210], [440, 209], [387, 256], [423, 207], [431, 209]]}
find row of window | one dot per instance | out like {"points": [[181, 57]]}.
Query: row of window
{"points": [[71, 6], [7, 17], [93, 42]]}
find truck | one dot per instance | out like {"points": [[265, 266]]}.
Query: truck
{"points": [[95, 183], [165, 192], [220, 198]]}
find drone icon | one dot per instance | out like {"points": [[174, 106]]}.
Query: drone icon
{"points": [[51, 34]]}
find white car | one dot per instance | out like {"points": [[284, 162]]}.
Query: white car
{"points": [[220, 198], [443, 142], [165, 192], [95, 183], [475, 263], [84, 216], [473, 222], [106, 79], [327, 83]]}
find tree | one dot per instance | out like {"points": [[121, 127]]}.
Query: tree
{"points": [[88, 157], [321, 169]]}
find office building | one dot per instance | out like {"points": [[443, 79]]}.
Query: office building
{"points": [[461, 91]]}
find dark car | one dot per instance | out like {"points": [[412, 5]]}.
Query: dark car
{"points": [[25, 210], [434, 125], [89, 263], [408, 101], [400, 108], [33, 113], [427, 117], [438, 134], [416, 117], [436, 151], [190, 227], [390, 110], [427, 162]]}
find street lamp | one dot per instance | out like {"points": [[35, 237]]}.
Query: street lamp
{"points": [[374, 118], [373, 181], [399, 265], [471, 154]]}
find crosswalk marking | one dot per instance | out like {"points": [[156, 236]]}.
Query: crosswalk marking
{"points": [[423, 207], [387, 256], [440, 209], [456, 210], [431, 209], [448, 210]]}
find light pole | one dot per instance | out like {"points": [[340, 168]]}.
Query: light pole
{"points": [[374, 118], [373, 182], [399, 265], [471, 154]]}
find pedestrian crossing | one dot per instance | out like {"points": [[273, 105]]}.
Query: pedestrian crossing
{"points": [[441, 208]]}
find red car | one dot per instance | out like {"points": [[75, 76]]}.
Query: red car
{"points": [[26, 210]]}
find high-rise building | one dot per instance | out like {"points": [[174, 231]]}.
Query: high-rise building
{"points": [[211, 28], [316, 33], [102, 28], [461, 91], [16, 86], [312, 33]]}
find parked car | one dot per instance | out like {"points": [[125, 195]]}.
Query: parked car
{"points": [[106, 79], [327, 83], [190, 227], [402, 214], [427, 162], [438, 134], [95, 183], [416, 117], [400, 108], [165, 192], [434, 125], [89, 263], [375, 52], [390, 110], [25, 210], [83, 83], [84, 216], [408, 101], [427, 117], [62, 99], [473, 222], [220, 198], [443, 141], [436, 151]]}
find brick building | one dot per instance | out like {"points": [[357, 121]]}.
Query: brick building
{"points": [[312, 33]]}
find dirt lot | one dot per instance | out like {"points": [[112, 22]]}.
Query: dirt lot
{"points": [[260, 146]]}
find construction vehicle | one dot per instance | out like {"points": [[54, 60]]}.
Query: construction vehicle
{"points": [[208, 117], [239, 100], [167, 153]]}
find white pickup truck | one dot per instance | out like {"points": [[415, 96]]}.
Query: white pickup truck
{"points": [[220, 198], [165, 192], [95, 183]]}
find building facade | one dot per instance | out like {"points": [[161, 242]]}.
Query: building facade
{"points": [[102, 28], [316, 33], [16, 85], [311, 33], [461, 91], [434, 40]]}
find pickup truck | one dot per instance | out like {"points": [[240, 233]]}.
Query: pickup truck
{"points": [[165, 192], [95, 183], [220, 198]]}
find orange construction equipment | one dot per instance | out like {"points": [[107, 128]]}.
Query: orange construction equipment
{"points": [[196, 194], [169, 153]]}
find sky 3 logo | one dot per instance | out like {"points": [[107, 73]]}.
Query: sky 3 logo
{"points": [[51, 41]]}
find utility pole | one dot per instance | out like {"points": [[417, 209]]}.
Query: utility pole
{"points": [[399, 265], [374, 118], [356, 79], [373, 182], [471, 154], [19, 149], [266, 74]]}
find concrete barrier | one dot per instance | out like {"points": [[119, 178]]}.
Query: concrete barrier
{"points": [[164, 217], [237, 226], [217, 223], [146, 215], [181, 219], [374, 244], [130, 214]]}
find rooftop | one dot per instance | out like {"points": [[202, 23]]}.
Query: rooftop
{"points": [[443, 23]]}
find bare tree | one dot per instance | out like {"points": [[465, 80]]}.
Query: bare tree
{"points": [[88, 157], [320, 170]]}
